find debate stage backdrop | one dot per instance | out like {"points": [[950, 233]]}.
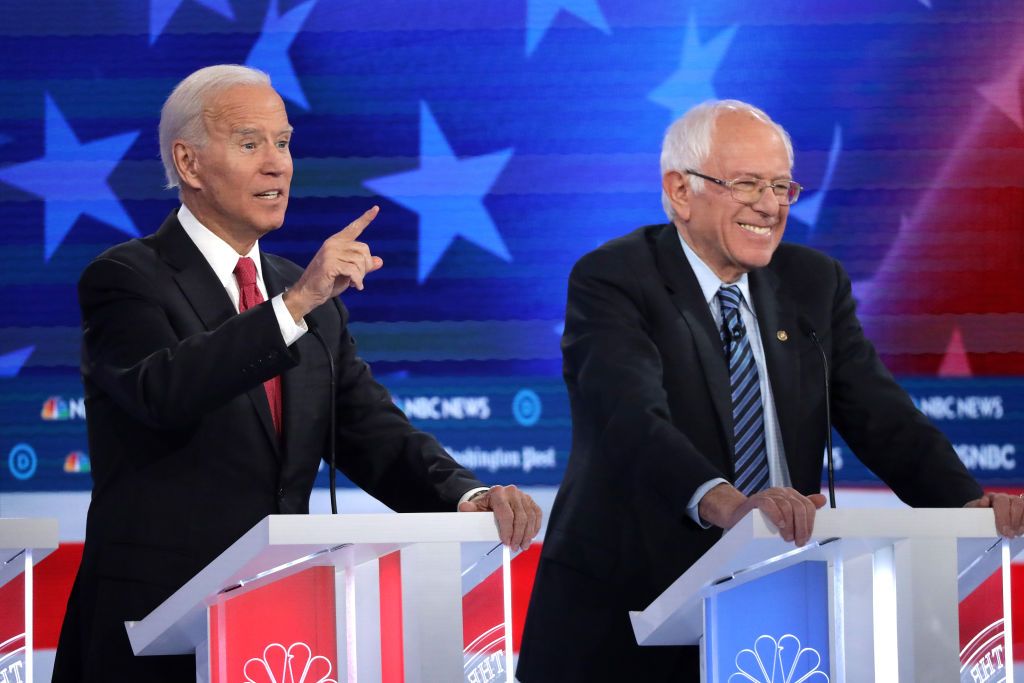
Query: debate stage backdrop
{"points": [[502, 141]]}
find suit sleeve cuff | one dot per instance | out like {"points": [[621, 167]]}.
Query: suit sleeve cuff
{"points": [[290, 330], [470, 493], [698, 495]]}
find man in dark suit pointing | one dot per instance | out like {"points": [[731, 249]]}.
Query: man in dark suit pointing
{"points": [[696, 398], [207, 400]]}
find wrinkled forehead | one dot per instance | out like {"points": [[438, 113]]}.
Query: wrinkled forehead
{"points": [[743, 142], [246, 108]]}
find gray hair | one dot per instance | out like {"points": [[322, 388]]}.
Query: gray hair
{"points": [[182, 115], [687, 142]]}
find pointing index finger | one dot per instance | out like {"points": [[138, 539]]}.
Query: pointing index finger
{"points": [[353, 230]]}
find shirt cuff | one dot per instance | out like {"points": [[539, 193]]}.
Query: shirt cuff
{"points": [[698, 495], [290, 330], [469, 494]]}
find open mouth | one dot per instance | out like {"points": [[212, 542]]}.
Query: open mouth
{"points": [[757, 229], [270, 194]]}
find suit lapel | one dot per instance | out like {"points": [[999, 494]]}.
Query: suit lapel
{"points": [[206, 295], [686, 295], [776, 318]]}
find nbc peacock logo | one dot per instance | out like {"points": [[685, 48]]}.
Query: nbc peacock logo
{"points": [[294, 664], [58, 409], [778, 661], [77, 462]]}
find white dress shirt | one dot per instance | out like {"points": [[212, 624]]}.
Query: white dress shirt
{"points": [[223, 258], [778, 470]]}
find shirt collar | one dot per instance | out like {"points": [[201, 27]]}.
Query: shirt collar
{"points": [[709, 282], [218, 253]]}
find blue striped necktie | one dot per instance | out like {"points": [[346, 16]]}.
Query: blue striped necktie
{"points": [[750, 455]]}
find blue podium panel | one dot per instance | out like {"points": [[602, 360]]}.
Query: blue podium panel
{"points": [[771, 630]]}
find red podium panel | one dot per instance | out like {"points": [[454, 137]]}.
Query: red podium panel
{"points": [[23, 543], [280, 632], [419, 597]]}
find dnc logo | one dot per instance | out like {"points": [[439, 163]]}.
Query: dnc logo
{"points": [[56, 408], [778, 661]]}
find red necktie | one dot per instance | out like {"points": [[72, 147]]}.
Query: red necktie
{"points": [[249, 295]]}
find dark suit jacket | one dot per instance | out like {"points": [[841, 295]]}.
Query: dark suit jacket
{"points": [[652, 421], [184, 455]]}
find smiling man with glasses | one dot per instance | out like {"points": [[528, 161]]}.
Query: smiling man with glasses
{"points": [[697, 396]]}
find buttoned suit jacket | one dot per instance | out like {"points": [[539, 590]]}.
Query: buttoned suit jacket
{"points": [[649, 391], [184, 455]]}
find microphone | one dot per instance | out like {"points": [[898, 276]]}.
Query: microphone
{"points": [[332, 474], [808, 329]]}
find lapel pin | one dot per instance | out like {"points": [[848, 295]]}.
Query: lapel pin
{"points": [[782, 335]]}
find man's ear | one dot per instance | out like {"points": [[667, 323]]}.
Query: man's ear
{"points": [[186, 163], [677, 188]]}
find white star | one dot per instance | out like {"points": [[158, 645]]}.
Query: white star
{"points": [[540, 14], [808, 209], [448, 195], [71, 177], [1005, 93], [691, 83], [270, 53], [161, 11], [12, 361]]}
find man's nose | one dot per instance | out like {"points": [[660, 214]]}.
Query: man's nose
{"points": [[767, 204], [275, 161]]}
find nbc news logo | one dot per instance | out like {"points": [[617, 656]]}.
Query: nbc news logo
{"points": [[57, 408]]}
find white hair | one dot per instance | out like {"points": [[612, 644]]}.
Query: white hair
{"points": [[182, 115], [687, 142]]}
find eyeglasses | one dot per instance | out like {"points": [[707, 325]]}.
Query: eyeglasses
{"points": [[749, 190]]}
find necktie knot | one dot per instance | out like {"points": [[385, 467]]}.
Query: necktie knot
{"points": [[729, 298], [245, 271]]}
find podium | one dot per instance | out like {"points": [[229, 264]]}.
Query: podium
{"points": [[23, 543], [420, 597], [876, 595]]}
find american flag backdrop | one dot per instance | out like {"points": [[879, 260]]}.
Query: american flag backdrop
{"points": [[502, 141]]}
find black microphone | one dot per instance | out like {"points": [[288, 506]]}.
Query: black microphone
{"points": [[808, 329], [332, 474]]}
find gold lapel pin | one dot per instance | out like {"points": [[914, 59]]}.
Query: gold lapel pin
{"points": [[781, 335]]}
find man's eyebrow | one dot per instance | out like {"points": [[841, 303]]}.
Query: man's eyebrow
{"points": [[751, 174], [241, 132]]}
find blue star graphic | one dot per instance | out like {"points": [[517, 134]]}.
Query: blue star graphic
{"points": [[270, 53], [540, 14], [71, 177], [691, 84], [161, 11], [808, 209], [12, 362], [448, 194]]}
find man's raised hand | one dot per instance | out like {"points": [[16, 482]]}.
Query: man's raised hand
{"points": [[341, 261]]}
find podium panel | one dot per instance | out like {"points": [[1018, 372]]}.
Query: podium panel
{"points": [[790, 640], [876, 595], [16, 622], [23, 543], [282, 631], [986, 626], [417, 598]]}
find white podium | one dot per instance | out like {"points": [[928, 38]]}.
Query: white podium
{"points": [[876, 595], [346, 597], [23, 543]]}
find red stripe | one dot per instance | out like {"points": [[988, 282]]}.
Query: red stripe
{"points": [[53, 578], [392, 661]]}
